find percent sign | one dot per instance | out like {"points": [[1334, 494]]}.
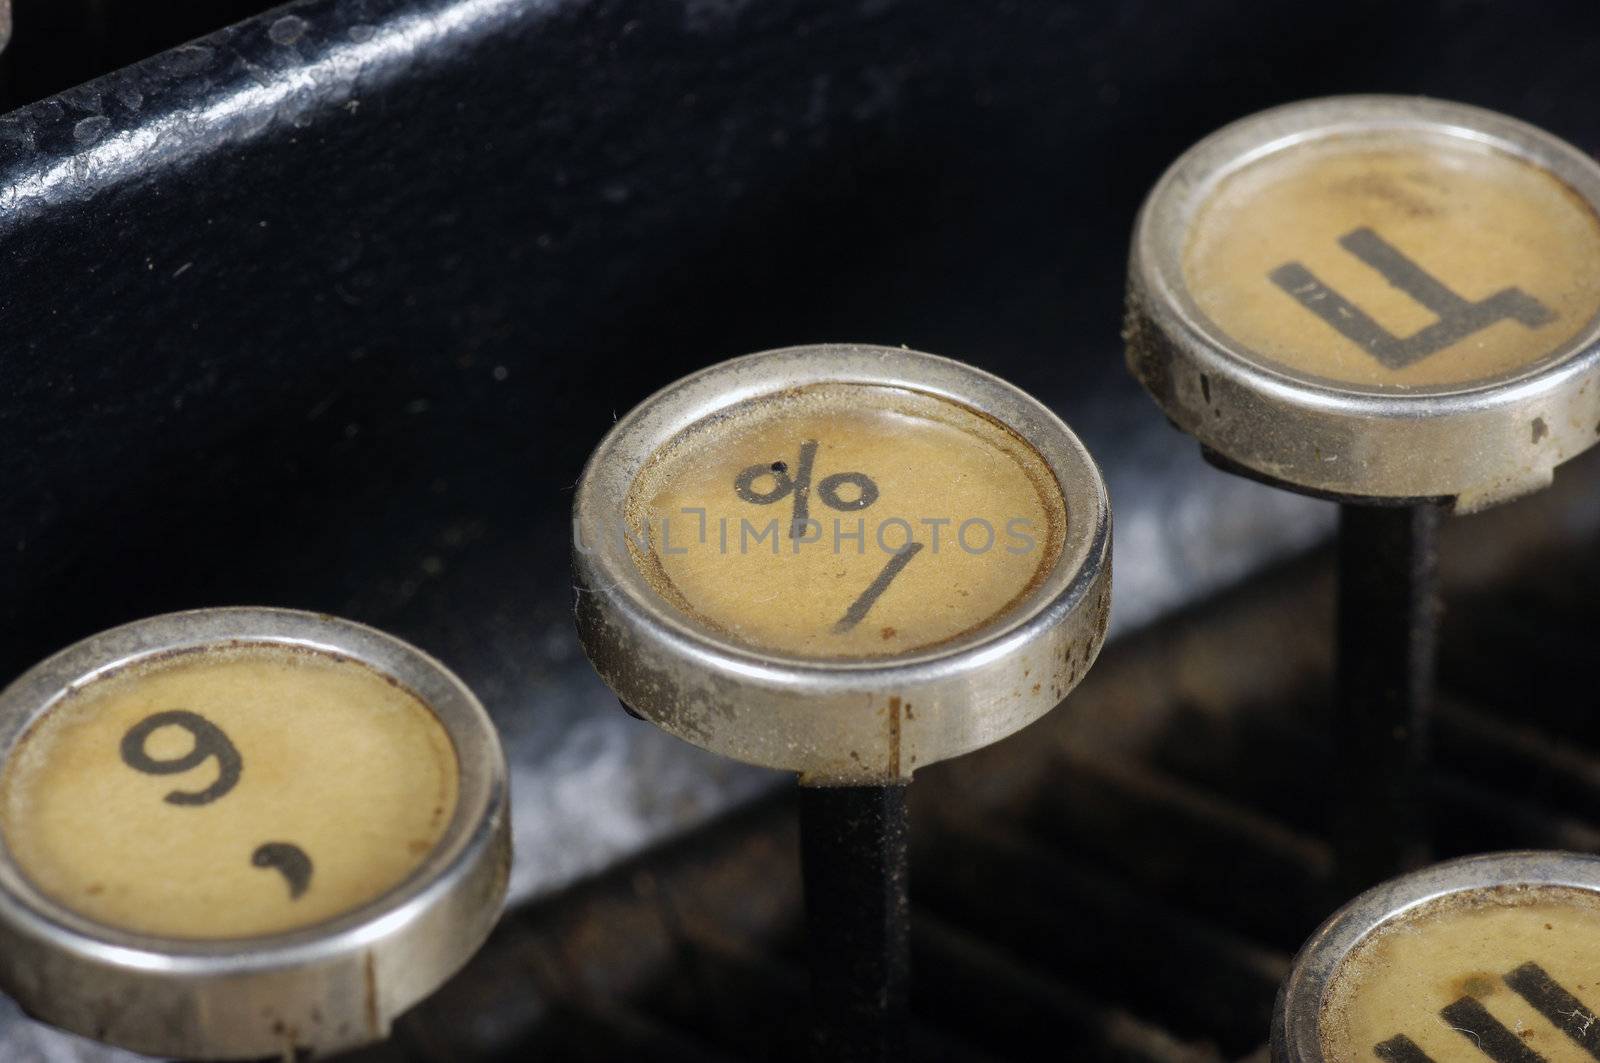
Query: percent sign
{"points": [[798, 487]]}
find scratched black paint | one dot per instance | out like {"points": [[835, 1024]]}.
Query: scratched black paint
{"points": [[269, 326]]}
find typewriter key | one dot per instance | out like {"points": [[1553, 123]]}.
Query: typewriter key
{"points": [[1392, 303], [238, 833], [848, 562], [1489, 959]]}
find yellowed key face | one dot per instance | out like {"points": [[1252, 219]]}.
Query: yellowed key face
{"points": [[1392, 263], [846, 521], [1469, 978], [228, 793]]}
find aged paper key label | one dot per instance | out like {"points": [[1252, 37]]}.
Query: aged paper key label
{"points": [[1393, 260], [228, 793], [846, 521], [1508, 975]]}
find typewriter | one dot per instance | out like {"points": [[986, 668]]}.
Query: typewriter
{"points": [[321, 309]]}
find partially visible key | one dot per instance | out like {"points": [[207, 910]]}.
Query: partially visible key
{"points": [[1489, 959]]}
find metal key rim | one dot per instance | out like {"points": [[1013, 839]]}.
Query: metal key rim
{"points": [[1297, 1015], [441, 900], [627, 626]]}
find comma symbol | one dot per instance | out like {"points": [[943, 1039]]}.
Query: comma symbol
{"points": [[1457, 317], [290, 860]]}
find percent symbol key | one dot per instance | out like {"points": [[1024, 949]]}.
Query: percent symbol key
{"points": [[848, 562]]}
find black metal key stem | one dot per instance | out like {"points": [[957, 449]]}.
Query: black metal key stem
{"points": [[853, 845], [1388, 617]]}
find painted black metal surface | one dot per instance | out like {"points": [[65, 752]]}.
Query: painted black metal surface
{"points": [[853, 847], [292, 311], [68, 42], [1387, 652]]}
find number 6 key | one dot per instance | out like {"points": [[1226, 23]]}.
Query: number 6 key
{"points": [[239, 833], [847, 562]]}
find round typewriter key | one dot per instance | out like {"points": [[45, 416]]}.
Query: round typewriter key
{"points": [[1375, 298], [848, 562], [1392, 303], [236, 833], [1485, 959]]}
